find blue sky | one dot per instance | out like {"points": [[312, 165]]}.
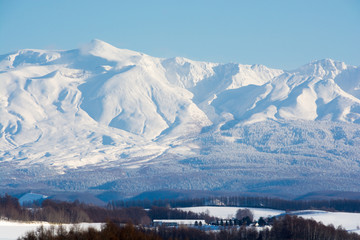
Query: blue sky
{"points": [[277, 33]]}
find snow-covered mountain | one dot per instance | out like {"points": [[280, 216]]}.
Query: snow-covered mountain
{"points": [[104, 118]]}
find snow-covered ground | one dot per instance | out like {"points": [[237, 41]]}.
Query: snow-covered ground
{"points": [[11, 230], [349, 221]]}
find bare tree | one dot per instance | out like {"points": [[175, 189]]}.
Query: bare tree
{"points": [[243, 213]]}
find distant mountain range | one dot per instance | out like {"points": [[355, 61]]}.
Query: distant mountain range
{"points": [[101, 118]]}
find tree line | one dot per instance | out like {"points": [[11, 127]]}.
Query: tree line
{"points": [[170, 213], [75, 212], [66, 212], [345, 205]]}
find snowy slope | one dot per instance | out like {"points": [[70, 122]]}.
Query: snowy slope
{"points": [[66, 114], [308, 93], [348, 221]]}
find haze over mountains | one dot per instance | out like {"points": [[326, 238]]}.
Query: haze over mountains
{"points": [[101, 118]]}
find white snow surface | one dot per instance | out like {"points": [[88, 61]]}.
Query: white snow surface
{"points": [[11, 230], [68, 98], [64, 114], [348, 221]]}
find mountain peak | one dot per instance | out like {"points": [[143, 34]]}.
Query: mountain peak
{"points": [[97, 44], [107, 51], [322, 68], [329, 63]]}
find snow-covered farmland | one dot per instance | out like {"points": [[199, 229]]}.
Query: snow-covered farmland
{"points": [[10, 230], [348, 221]]}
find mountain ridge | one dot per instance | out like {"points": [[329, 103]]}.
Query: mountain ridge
{"points": [[68, 112]]}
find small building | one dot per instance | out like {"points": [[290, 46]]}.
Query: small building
{"points": [[178, 222]]}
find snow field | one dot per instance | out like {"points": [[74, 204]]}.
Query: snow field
{"points": [[11, 230], [349, 221]]}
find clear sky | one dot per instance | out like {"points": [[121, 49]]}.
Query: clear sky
{"points": [[277, 33]]}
